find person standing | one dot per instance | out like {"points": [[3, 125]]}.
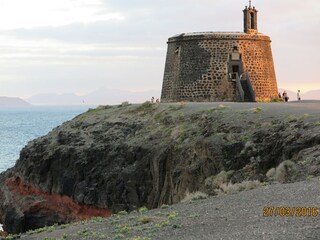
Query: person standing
{"points": [[298, 95], [285, 96]]}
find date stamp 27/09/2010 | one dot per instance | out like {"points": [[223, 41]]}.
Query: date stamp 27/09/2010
{"points": [[290, 211]]}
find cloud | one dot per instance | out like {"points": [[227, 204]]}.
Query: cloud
{"points": [[16, 14]]}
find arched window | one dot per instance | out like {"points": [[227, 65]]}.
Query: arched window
{"points": [[252, 20]]}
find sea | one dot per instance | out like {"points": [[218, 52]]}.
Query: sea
{"points": [[18, 126]]}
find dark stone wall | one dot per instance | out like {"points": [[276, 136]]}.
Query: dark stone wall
{"points": [[197, 64]]}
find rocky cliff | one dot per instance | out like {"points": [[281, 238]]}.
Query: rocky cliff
{"points": [[124, 157]]}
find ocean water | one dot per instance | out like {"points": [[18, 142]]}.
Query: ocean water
{"points": [[20, 125]]}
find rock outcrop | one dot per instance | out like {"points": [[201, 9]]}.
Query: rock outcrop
{"points": [[124, 157]]}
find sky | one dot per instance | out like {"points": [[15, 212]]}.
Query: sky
{"points": [[79, 46]]}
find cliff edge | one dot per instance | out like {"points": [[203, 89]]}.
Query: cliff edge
{"points": [[128, 156]]}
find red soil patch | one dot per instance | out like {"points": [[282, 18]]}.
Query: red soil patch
{"points": [[57, 204]]}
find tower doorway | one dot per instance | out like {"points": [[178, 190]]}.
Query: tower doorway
{"points": [[236, 69]]}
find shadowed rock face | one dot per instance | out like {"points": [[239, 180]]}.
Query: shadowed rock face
{"points": [[122, 158]]}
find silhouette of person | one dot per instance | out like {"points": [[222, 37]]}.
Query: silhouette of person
{"points": [[298, 95], [285, 96]]}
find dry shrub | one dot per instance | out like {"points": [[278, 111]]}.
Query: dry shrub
{"points": [[271, 173], [230, 188], [215, 181], [194, 196], [286, 172]]}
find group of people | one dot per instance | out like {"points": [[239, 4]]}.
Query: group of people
{"points": [[157, 101], [285, 96]]}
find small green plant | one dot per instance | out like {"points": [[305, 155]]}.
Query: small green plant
{"points": [[115, 221], [172, 215], [164, 206], [146, 105], [96, 219], [143, 210], [124, 212], [124, 229], [309, 177], [138, 238], [119, 236], [43, 229], [176, 226], [159, 213], [145, 220], [162, 223], [257, 110], [265, 184], [317, 123], [11, 237], [85, 233], [64, 236]]}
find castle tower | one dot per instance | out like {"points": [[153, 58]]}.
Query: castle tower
{"points": [[220, 66], [250, 17]]}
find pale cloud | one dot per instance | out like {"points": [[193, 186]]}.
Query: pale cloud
{"points": [[16, 14]]}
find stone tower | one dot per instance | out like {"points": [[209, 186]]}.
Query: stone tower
{"points": [[250, 19], [220, 66]]}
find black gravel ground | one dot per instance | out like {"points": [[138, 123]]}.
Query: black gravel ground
{"points": [[238, 216]]}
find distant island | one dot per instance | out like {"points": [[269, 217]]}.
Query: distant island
{"points": [[99, 97], [13, 102]]}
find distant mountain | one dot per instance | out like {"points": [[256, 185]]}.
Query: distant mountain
{"points": [[312, 95], [99, 97], [13, 102], [115, 96], [55, 99]]}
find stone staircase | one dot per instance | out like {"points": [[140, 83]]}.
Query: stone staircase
{"points": [[244, 87], [247, 94]]}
